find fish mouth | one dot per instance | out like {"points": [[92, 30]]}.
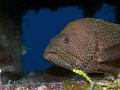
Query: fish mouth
{"points": [[56, 58], [49, 53]]}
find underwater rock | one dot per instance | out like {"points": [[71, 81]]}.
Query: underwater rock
{"points": [[72, 84], [10, 49], [34, 76]]}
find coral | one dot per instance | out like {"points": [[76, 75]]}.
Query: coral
{"points": [[23, 85], [0, 82], [106, 84], [66, 85]]}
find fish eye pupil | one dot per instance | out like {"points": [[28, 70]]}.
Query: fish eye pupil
{"points": [[66, 40]]}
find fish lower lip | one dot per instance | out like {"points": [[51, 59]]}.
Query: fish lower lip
{"points": [[52, 52], [51, 55], [49, 52]]}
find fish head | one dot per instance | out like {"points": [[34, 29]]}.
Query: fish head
{"points": [[72, 48]]}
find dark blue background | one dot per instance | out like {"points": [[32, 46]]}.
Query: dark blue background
{"points": [[38, 28]]}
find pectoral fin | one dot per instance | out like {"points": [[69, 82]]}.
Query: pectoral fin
{"points": [[110, 54], [58, 74]]}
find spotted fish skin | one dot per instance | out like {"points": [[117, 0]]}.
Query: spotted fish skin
{"points": [[92, 45]]}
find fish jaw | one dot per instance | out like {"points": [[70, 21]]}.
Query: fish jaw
{"points": [[56, 58]]}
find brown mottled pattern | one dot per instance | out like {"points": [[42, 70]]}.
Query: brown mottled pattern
{"points": [[86, 44]]}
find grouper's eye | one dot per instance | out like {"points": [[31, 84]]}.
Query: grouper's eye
{"points": [[66, 40]]}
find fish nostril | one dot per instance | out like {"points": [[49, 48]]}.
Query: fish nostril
{"points": [[53, 39]]}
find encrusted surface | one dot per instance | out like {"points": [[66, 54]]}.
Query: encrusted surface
{"points": [[10, 49]]}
